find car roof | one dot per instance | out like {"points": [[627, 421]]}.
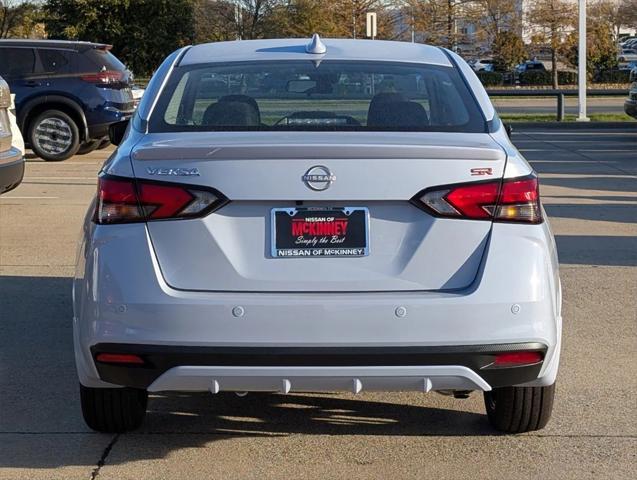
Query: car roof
{"points": [[68, 44], [294, 49]]}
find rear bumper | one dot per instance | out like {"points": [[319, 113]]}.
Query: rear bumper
{"points": [[11, 169], [99, 122], [630, 107], [310, 369], [191, 339]]}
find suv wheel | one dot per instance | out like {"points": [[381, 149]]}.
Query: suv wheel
{"points": [[519, 409], [54, 136], [113, 410]]}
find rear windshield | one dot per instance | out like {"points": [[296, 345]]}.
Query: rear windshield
{"points": [[316, 95], [103, 59]]}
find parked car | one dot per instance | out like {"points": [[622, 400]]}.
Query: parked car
{"points": [[529, 65], [628, 66], [11, 157], [630, 105], [627, 55], [17, 140], [629, 43], [67, 93], [138, 93], [483, 65], [315, 239]]}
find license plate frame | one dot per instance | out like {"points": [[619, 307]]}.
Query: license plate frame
{"points": [[353, 249]]}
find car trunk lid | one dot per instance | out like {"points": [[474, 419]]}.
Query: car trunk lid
{"points": [[231, 249]]}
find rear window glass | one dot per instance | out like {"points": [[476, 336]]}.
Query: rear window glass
{"points": [[103, 60], [55, 61], [16, 62], [309, 95]]}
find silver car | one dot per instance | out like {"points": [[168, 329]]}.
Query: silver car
{"points": [[11, 155], [345, 215]]}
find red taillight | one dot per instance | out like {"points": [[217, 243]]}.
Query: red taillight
{"points": [[117, 201], [512, 359], [163, 201], [125, 200], [470, 200], [122, 358], [105, 77], [512, 200]]}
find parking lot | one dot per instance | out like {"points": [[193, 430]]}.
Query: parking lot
{"points": [[589, 187]]}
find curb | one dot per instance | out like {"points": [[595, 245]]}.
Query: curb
{"points": [[572, 125]]}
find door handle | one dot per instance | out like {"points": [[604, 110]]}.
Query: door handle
{"points": [[32, 83]]}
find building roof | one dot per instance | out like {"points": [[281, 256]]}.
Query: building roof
{"points": [[295, 49]]}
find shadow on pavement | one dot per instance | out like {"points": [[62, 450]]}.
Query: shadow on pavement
{"points": [[616, 251], [316, 414], [619, 213], [617, 183], [41, 424]]}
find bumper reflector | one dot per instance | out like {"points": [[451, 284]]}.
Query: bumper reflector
{"points": [[511, 359], [121, 358]]}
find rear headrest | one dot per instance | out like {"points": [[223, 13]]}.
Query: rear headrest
{"points": [[377, 104], [243, 99], [403, 114], [230, 114]]}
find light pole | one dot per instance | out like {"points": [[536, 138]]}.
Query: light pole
{"points": [[581, 64]]}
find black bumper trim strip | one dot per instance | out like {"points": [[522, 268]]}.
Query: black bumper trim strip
{"points": [[159, 358]]}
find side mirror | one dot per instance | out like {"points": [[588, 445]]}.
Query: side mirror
{"points": [[117, 130], [508, 128]]}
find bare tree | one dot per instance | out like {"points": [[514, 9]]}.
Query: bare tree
{"points": [[493, 17], [552, 19], [436, 21], [253, 15], [616, 13]]}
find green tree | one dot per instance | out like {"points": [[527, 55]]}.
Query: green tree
{"points": [[508, 50], [142, 32], [19, 19], [215, 21], [601, 49], [302, 18]]}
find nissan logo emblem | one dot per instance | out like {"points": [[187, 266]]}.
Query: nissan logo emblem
{"points": [[319, 178]]}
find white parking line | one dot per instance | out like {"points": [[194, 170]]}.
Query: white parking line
{"points": [[61, 178], [587, 133], [24, 198]]}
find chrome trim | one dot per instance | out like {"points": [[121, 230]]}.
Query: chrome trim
{"points": [[163, 84]]}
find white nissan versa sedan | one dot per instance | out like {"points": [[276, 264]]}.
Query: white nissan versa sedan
{"points": [[344, 215]]}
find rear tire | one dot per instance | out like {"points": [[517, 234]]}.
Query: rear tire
{"points": [[519, 409], [54, 136], [105, 142], [113, 410], [88, 147]]}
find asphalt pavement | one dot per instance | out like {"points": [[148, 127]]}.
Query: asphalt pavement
{"points": [[589, 187]]}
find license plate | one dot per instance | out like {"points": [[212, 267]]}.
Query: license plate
{"points": [[320, 232]]}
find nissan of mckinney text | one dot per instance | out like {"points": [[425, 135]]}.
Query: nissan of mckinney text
{"points": [[316, 216]]}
